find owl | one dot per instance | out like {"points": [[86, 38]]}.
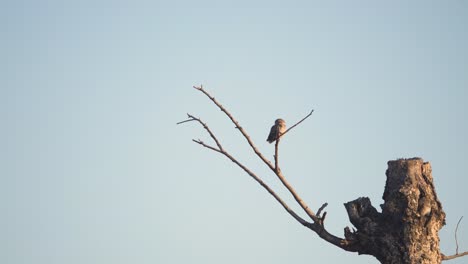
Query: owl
{"points": [[276, 130]]}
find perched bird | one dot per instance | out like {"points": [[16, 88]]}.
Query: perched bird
{"points": [[276, 130]]}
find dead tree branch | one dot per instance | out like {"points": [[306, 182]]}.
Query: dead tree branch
{"points": [[388, 235], [454, 256], [456, 239], [221, 150], [238, 126], [318, 221], [277, 169], [457, 255], [184, 121], [278, 173], [298, 122]]}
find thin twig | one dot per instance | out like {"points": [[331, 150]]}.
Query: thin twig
{"points": [[444, 257], [243, 132], [296, 196], [321, 208], [457, 255], [277, 169], [206, 145], [298, 123], [193, 118], [456, 239], [188, 120]]}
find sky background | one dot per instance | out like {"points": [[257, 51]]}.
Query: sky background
{"points": [[95, 170]]}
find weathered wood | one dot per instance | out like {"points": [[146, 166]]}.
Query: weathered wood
{"points": [[406, 231]]}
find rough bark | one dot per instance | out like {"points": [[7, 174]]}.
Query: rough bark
{"points": [[406, 231]]}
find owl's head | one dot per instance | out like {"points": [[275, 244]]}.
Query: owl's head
{"points": [[280, 122]]}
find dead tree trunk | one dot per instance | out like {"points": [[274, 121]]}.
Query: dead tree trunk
{"points": [[405, 232], [407, 229]]}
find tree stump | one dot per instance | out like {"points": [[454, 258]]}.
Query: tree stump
{"points": [[406, 231]]}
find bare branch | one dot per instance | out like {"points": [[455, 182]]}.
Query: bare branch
{"points": [[288, 186], [456, 239], [192, 118], [457, 255], [298, 122], [321, 208], [454, 256], [265, 186], [322, 219], [181, 122], [279, 137], [188, 120], [206, 145], [283, 180], [277, 169], [253, 175], [243, 132], [296, 196], [317, 225]]}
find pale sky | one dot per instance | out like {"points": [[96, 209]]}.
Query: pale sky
{"points": [[94, 169]]}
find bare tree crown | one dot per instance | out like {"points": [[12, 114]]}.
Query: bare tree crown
{"points": [[362, 214]]}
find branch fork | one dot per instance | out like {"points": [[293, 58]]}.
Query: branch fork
{"points": [[317, 224], [370, 223]]}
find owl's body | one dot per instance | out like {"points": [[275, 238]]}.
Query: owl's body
{"points": [[276, 130]]}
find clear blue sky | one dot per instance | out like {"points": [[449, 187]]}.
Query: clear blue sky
{"points": [[94, 169]]}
